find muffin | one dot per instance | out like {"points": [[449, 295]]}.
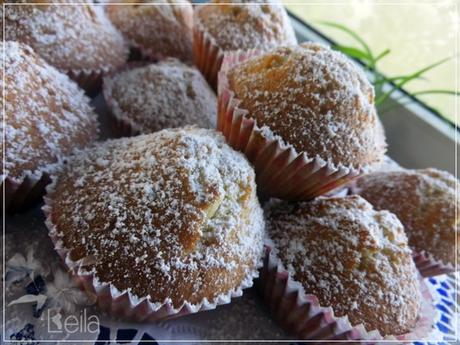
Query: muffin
{"points": [[344, 255], [223, 27], [46, 116], [164, 95], [305, 117], [425, 202], [168, 222], [76, 39], [157, 28]]}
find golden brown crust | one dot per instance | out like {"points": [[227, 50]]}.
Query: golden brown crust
{"points": [[167, 94], [242, 26], [424, 201], [70, 37], [315, 99], [158, 30], [354, 259], [46, 114], [171, 215]]}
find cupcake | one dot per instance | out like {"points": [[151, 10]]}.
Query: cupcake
{"points": [[158, 225], [224, 26], [164, 95], [46, 117], [77, 39], [157, 28], [425, 202], [304, 116], [338, 269]]}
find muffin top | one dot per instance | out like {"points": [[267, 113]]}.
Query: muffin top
{"points": [[69, 37], [424, 201], [163, 95], [313, 98], [155, 27], [46, 114], [245, 26], [171, 216], [360, 265]]}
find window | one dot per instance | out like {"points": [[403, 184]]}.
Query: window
{"points": [[417, 33]]}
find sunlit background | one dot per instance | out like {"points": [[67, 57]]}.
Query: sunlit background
{"points": [[417, 33]]}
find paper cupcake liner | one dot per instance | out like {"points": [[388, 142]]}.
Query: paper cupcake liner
{"points": [[206, 56], [281, 171], [301, 314], [122, 128], [428, 266], [124, 304], [20, 194], [90, 81]]}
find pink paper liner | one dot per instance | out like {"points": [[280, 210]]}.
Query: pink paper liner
{"points": [[301, 314], [429, 266], [207, 57], [21, 193], [281, 171], [123, 304]]}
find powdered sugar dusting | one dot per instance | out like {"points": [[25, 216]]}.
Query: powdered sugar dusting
{"points": [[171, 215], [424, 201], [163, 95], [159, 28], [46, 114], [258, 25], [70, 37], [351, 257], [315, 99]]}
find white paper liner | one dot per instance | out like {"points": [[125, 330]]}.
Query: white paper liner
{"points": [[281, 171], [300, 313], [124, 304], [429, 266]]}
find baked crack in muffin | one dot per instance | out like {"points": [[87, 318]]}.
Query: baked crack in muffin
{"points": [[170, 219]]}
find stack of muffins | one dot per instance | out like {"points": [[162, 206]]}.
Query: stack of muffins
{"points": [[166, 219]]}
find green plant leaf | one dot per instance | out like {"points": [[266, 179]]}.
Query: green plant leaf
{"points": [[428, 92], [408, 78], [382, 55], [352, 34], [395, 79], [353, 52]]}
